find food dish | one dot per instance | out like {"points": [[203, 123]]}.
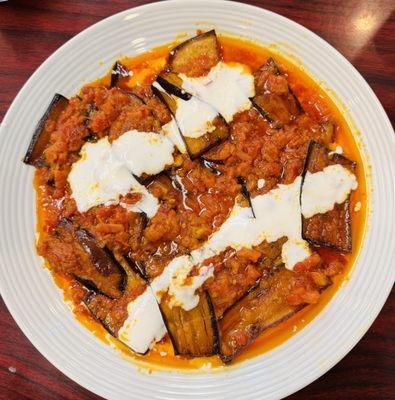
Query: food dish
{"points": [[41, 308], [201, 204]]}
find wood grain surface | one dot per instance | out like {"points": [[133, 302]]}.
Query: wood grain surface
{"points": [[363, 31]]}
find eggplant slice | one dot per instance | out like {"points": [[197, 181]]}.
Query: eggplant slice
{"points": [[332, 229], [196, 56], [118, 71], [98, 266], [42, 133], [263, 307], [172, 83], [196, 146], [136, 266], [245, 192], [99, 306], [193, 333], [274, 98], [106, 310]]}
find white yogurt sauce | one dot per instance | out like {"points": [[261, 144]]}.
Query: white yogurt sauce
{"points": [[144, 152], [194, 117], [173, 280], [147, 204], [227, 88], [105, 171], [322, 190], [98, 176], [144, 324]]}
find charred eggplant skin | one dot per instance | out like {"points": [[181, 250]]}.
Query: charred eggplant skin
{"points": [[193, 333], [102, 258], [331, 158], [41, 136], [268, 104], [172, 88], [136, 267], [335, 225], [89, 285], [117, 70], [213, 323], [104, 321], [244, 191], [87, 301]]}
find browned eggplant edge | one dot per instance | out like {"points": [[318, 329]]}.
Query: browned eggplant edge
{"points": [[101, 257], [187, 42], [192, 156], [273, 64], [86, 300], [160, 96], [228, 359], [245, 192], [213, 322], [214, 327], [344, 160], [263, 112], [215, 143], [171, 88], [39, 129], [117, 70]]}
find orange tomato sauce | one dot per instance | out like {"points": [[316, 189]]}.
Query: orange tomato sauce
{"points": [[315, 101]]}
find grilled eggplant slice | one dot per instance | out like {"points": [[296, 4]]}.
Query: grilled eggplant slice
{"points": [[172, 83], [103, 260], [111, 313], [98, 266], [197, 146], [332, 229], [136, 267], [196, 56], [118, 70], [274, 99], [263, 307], [99, 306], [42, 133], [193, 333]]}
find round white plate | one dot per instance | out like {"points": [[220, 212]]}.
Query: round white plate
{"points": [[36, 303]]}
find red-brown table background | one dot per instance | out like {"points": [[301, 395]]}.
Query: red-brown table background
{"points": [[363, 31]]}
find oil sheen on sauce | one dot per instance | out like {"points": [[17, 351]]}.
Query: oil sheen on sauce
{"points": [[316, 102]]}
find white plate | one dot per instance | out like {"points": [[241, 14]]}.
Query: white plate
{"points": [[35, 302]]}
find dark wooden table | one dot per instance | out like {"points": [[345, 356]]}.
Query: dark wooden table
{"points": [[363, 31]]}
